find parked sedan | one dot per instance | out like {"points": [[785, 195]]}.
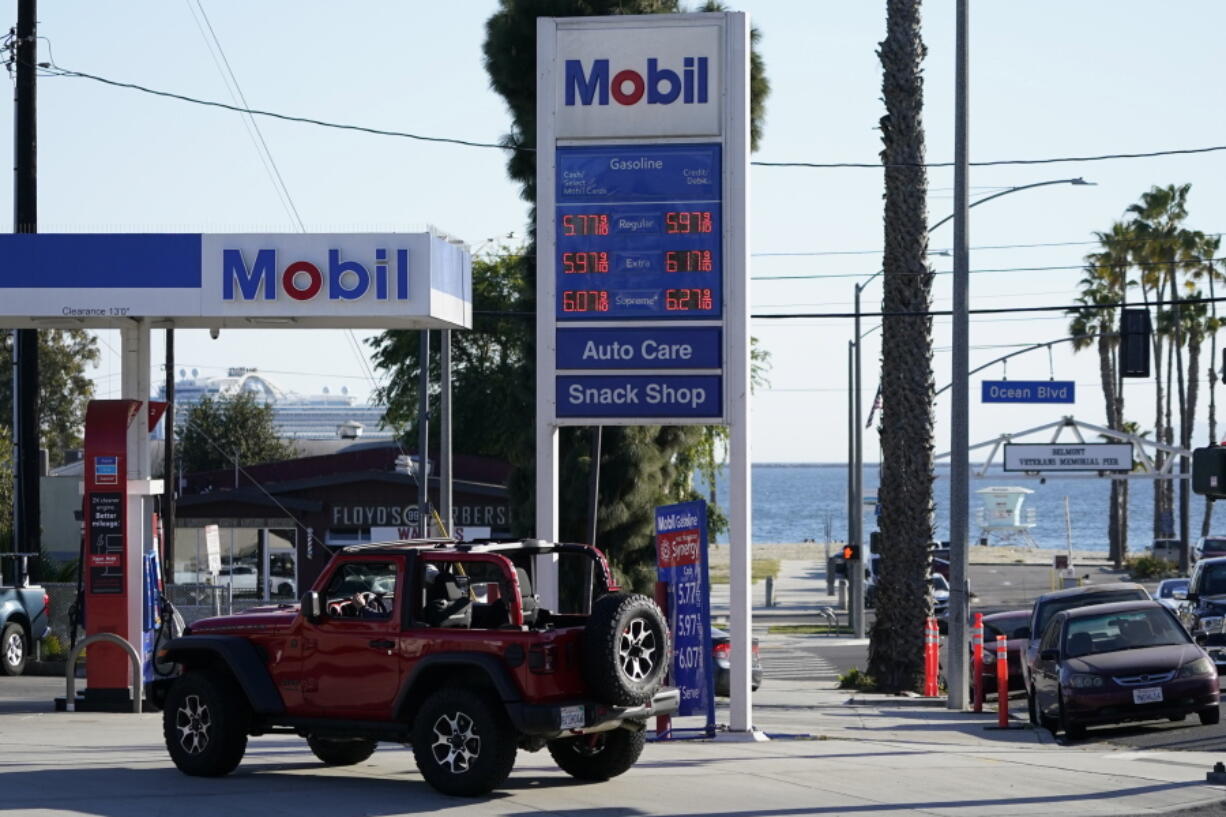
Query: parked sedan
{"points": [[1014, 626], [721, 651], [1128, 661]]}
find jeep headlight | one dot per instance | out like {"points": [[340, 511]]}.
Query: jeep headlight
{"points": [[1084, 680], [1195, 669]]}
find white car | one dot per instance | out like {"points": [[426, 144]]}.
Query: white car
{"points": [[1172, 593]]}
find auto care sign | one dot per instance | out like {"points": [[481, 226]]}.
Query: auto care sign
{"points": [[681, 557]]}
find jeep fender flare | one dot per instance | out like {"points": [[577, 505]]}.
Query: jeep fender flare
{"points": [[499, 677], [242, 658]]}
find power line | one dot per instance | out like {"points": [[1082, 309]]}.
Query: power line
{"points": [[942, 251], [1004, 310], [1126, 265], [57, 71]]}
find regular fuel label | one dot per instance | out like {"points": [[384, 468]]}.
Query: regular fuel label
{"points": [[639, 396]]}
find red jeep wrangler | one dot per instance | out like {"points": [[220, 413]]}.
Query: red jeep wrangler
{"points": [[440, 646]]}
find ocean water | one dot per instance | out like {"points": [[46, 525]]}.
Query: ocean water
{"points": [[792, 503]]}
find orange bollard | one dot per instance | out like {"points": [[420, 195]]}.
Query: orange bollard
{"points": [[977, 659], [1002, 681], [932, 660]]}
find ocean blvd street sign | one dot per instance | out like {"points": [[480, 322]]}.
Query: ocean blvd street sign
{"points": [[354, 280], [1068, 457], [1029, 391]]}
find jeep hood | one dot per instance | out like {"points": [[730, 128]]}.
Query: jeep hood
{"points": [[257, 619]]}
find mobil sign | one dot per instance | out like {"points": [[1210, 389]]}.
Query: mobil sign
{"points": [[330, 276], [345, 280], [657, 80]]}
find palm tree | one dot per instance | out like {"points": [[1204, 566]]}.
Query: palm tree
{"points": [[1165, 246], [906, 524], [1105, 282]]}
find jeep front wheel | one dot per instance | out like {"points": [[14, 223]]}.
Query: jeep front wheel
{"points": [[205, 724], [13, 649], [341, 751], [625, 649], [463, 742], [600, 756]]}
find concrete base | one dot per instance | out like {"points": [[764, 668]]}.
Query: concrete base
{"points": [[751, 736], [99, 700]]}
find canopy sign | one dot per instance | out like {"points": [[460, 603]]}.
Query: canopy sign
{"points": [[396, 280]]}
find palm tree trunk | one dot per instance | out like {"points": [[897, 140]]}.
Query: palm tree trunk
{"points": [[1106, 374], [895, 648], [1208, 518]]}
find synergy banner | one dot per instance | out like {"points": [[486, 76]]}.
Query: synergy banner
{"points": [[681, 557]]}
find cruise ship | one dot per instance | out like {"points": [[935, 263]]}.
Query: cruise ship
{"points": [[297, 416]]}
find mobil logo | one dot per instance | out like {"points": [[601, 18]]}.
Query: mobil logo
{"points": [[342, 279], [595, 83]]}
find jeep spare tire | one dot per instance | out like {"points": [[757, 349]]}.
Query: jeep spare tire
{"points": [[625, 649]]}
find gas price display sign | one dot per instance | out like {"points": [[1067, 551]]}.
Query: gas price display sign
{"points": [[681, 557], [639, 232]]}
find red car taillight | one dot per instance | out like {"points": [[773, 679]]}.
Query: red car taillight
{"points": [[47, 604], [722, 651]]}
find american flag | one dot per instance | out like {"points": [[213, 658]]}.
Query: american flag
{"points": [[876, 408]]}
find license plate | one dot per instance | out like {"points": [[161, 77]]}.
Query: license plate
{"points": [[1150, 695], [572, 717]]}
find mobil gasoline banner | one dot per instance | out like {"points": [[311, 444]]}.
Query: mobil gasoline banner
{"points": [[681, 556]]}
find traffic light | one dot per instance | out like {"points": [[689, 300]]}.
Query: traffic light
{"points": [[851, 553], [1135, 331], [1209, 472]]}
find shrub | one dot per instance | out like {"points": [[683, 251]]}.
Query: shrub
{"points": [[855, 678], [1150, 567]]}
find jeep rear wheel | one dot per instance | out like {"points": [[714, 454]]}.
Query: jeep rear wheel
{"points": [[13, 649], [205, 724], [341, 751], [463, 742], [599, 756], [625, 649]]}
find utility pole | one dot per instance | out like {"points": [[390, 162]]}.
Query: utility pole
{"points": [[423, 434], [959, 471], [26, 523], [170, 483]]}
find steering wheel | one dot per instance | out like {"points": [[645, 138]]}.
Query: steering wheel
{"points": [[369, 601]]}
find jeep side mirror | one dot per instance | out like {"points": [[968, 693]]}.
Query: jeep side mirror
{"points": [[312, 607], [1049, 655]]}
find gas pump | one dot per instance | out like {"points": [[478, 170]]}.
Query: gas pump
{"points": [[121, 567]]}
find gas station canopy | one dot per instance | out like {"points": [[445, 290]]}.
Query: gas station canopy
{"points": [[193, 280]]}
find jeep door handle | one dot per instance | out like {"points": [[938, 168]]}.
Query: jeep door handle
{"points": [[383, 643]]}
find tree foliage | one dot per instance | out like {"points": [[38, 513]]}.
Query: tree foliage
{"points": [[63, 387], [217, 432]]}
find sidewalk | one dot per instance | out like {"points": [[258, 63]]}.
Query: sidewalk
{"points": [[800, 591]]}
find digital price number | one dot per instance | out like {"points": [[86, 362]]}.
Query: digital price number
{"points": [[693, 299], [687, 261], [585, 300], [586, 224], [581, 262], [688, 221]]}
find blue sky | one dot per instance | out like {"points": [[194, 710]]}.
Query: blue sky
{"points": [[1049, 78]]}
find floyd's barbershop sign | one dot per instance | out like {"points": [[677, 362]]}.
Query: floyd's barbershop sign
{"points": [[365, 516]]}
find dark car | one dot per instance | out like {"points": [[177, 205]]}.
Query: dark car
{"points": [[1110, 663], [1208, 547], [1014, 625], [1047, 605], [721, 651]]}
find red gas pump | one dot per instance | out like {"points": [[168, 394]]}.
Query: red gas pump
{"points": [[113, 564]]}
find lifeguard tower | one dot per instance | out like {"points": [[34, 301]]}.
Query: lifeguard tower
{"points": [[1002, 517]]}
